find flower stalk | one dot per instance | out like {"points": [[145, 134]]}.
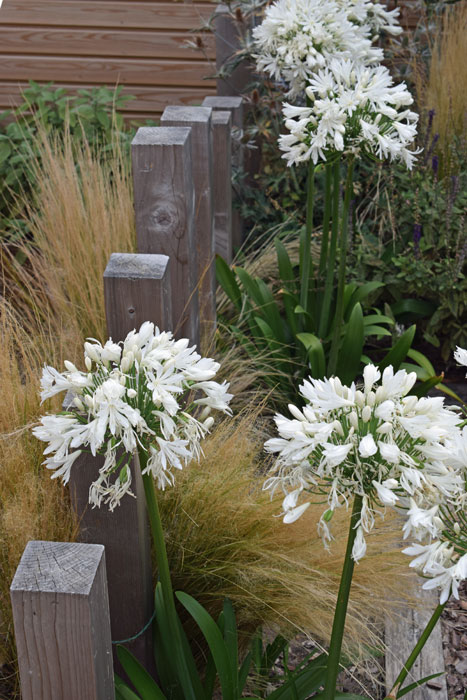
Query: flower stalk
{"points": [[330, 262], [305, 253], [332, 668], [339, 315]]}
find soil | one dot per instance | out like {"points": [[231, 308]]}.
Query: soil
{"points": [[454, 629]]}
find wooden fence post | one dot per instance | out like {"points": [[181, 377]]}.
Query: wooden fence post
{"points": [[222, 183], [164, 211], [233, 104], [61, 619], [199, 119], [137, 289], [230, 31]]}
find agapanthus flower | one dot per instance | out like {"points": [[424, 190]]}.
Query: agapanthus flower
{"points": [[373, 15], [355, 109], [298, 37], [378, 442], [460, 355], [139, 395]]}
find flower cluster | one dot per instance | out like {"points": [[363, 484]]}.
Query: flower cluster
{"points": [[139, 395], [355, 109], [385, 446], [297, 37]]}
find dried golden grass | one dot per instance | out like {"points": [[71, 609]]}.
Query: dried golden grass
{"points": [[82, 212], [224, 540], [442, 88]]}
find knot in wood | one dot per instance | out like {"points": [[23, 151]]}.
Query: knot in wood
{"points": [[167, 219]]}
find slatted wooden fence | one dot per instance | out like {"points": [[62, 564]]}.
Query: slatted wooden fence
{"points": [[84, 43]]}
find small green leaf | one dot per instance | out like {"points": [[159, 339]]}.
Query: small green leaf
{"points": [[141, 679], [226, 279], [412, 686]]}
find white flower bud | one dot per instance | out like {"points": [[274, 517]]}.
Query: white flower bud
{"points": [[205, 413], [371, 398], [78, 403], [366, 414], [353, 420], [88, 401], [295, 412], [359, 399], [338, 428], [88, 363], [380, 394], [131, 393], [384, 429], [208, 423], [70, 366], [457, 528], [91, 351], [122, 380]]}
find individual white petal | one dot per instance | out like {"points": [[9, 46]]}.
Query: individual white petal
{"points": [[367, 446]]}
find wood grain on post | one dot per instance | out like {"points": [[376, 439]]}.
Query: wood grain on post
{"points": [[164, 211], [233, 104], [137, 289], [61, 619], [229, 39], [199, 119], [222, 183]]}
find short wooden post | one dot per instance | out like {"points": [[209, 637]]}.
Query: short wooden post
{"points": [[61, 619], [137, 289], [230, 30], [199, 119], [233, 104], [164, 211], [222, 183]]}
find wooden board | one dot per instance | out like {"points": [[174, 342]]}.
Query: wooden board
{"points": [[45, 41], [99, 13], [107, 71]]}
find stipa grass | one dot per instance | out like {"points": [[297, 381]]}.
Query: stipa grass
{"points": [[224, 539]]}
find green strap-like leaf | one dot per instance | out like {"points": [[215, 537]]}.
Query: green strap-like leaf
{"points": [[141, 679], [349, 358], [215, 642], [398, 352], [315, 351], [227, 281], [412, 686]]}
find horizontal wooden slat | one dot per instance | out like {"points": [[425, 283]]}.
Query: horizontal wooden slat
{"points": [[149, 102], [105, 71], [98, 13], [101, 42]]}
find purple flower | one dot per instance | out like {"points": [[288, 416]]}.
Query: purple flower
{"points": [[417, 234]]}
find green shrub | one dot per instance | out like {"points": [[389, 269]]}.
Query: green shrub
{"points": [[91, 114]]}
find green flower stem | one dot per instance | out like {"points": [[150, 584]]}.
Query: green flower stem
{"points": [[326, 218], [416, 650], [339, 315], [331, 258], [163, 569], [340, 613], [305, 252]]}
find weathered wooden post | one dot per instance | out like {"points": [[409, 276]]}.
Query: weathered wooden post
{"points": [[137, 289], [230, 29], [164, 211], [61, 619], [233, 104], [199, 119], [222, 183]]}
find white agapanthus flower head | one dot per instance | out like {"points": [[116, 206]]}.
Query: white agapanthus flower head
{"points": [[375, 441], [355, 110], [150, 394], [298, 37], [373, 15]]}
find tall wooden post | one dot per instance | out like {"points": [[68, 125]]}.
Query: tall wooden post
{"points": [[222, 183], [230, 31], [233, 104], [137, 289], [164, 212], [199, 119], [61, 619]]}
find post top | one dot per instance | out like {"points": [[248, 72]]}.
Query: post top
{"points": [[137, 265], [218, 102], [223, 118], [161, 136], [182, 113], [57, 567]]}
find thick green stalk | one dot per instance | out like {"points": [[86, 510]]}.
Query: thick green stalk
{"points": [[331, 258], [416, 650], [326, 218], [163, 569], [305, 252], [339, 315], [340, 613]]}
